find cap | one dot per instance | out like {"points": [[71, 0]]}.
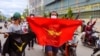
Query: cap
{"points": [[16, 15]]}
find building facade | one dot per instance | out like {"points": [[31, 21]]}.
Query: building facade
{"points": [[36, 7], [86, 8]]}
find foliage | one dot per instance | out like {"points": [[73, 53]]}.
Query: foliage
{"points": [[9, 19], [64, 16], [44, 15], [25, 13], [2, 17], [69, 13]]}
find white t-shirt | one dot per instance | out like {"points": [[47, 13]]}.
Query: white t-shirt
{"points": [[14, 28]]}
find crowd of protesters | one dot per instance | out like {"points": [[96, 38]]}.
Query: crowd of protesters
{"points": [[19, 26]]}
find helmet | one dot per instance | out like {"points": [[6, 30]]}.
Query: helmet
{"points": [[16, 16]]}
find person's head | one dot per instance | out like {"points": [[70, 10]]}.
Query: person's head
{"points": [[32, 15], [12, 21], [53, 14], [89, 24], [83, 22], [16, 18], [5, 22]]}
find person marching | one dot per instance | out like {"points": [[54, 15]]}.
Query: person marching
{"points": [[14, 27], [51, 50], [6, 24], [31, 43]]}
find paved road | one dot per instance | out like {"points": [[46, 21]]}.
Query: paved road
{"points": [[38, 50]]}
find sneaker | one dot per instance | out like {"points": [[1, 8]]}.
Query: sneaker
{"points": [[32, 48], [28, 48], [92, 54], [98, 54]]}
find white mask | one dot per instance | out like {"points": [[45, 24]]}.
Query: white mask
{"points": [[32, 16], [53, 16]]}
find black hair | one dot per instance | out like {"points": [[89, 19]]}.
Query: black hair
{"points": [[11, 18], [88, 23], [32, 15], [83, 20], [53, 12], [14, 18]]}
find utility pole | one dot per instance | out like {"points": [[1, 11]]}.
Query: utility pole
{"points": [[28, 6], [78, 12], [68, 3], [77, 5], [42, 7], [61, 5]]}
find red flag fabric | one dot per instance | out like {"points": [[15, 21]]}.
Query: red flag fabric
{"points": [[54, 32]]}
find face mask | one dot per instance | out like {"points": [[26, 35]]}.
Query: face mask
{"points": [[53, 16], [32, 16]]}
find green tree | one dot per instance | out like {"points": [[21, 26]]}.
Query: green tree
{"points": [[25, 13], [9, 19], [69, 13], [44, 15], [2, 17], [64, 16]]}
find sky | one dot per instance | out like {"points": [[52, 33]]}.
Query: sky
{"points": [[9, 7]]}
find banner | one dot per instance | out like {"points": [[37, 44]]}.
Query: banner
{"points": [[54, 32]]}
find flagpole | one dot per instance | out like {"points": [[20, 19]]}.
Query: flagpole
{"points": [[68, 3], [42, 8], [77, 5], [28, 6], [61, 5]]}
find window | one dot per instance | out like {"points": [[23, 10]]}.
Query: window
{"points": [[57, 0], [87, 0]]}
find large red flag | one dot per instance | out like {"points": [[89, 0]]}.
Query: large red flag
{"points": [[54, 32]]}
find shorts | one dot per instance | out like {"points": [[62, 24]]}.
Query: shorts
{"points": [[51, 48]]}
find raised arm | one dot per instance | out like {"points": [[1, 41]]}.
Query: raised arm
{"points": [[93, 23]]}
